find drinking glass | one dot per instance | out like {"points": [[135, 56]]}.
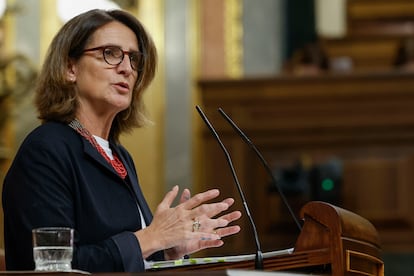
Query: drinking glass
{"points": [[53, 248]]}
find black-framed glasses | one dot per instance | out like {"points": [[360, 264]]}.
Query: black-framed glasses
{"points": [[114, 55]]}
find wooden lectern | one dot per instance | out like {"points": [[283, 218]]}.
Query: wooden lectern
{"points": [[332, 239]]}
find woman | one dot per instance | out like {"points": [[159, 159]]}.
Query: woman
{"points": [[71, 171]]}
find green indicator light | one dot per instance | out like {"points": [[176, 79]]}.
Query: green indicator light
{"points": [[327, 184]]}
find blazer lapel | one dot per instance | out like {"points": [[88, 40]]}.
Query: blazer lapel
{"points": [[133, 179], [90, 150]]}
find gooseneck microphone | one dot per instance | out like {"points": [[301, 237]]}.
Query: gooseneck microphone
{"points": [[265, 164], [259, 255]]}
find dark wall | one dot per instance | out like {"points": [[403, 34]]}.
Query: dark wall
{"points": [[300, 24]]}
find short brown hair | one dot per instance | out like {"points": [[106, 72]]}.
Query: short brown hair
{"points": [[56, 98]]}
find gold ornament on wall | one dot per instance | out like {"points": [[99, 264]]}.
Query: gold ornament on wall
{"points": [[17, 76]]}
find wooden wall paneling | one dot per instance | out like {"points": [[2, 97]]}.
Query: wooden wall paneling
{"points": [[367, 10], [367, 53], [219, 176], [365, 120], [375, 29]]}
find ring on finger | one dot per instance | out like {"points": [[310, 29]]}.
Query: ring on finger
{"points": [[196, 225]]}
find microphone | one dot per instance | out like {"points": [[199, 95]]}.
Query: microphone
{"points": [[265, 164], [259, 255]]}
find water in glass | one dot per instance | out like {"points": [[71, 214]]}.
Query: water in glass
{"points": [[53, 258]]}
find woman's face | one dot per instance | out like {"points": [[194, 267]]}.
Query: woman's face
{"points": [[105, 89]]}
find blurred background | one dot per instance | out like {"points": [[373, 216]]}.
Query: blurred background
{"points": [[324, 88]]}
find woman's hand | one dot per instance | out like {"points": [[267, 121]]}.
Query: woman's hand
{"points": [[192, 246], [174, 228]]}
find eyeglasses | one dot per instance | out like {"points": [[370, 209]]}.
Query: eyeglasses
{"points": [[114, 55]]}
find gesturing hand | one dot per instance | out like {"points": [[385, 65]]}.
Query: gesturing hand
{"points": [[172, 228]]}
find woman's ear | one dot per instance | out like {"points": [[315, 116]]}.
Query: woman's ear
{"points": [[70, 72]]}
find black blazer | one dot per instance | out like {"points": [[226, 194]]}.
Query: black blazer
{"points": [[59, 179]]}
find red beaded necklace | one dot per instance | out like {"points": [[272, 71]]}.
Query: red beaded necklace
{"points": [[115, 163]]}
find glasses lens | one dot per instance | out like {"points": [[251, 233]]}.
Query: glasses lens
{"points": [[113, 55], [137, 60]]}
